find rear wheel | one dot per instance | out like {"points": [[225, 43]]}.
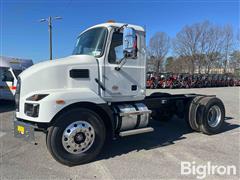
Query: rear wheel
{"points": [[212, 114], [191, 115], [77, 137]]}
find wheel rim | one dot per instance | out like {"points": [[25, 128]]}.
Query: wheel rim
{"points": [[214, 116], [78, 137]]}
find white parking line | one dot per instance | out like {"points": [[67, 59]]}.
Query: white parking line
{"points": [[2, 134]]}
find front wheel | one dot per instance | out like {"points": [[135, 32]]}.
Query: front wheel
{"points": [[77, 137]]}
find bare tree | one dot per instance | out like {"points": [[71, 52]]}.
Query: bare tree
{"points": [[235, 61], [227, 34], [170, 65], [158, 48], [183, 64], [186, 43], [204, 46], [202, 43], [237, 40], [179, 64], [213, 47]]}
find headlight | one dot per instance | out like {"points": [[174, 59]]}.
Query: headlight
{"points": [[31, 109], [37, 97]]}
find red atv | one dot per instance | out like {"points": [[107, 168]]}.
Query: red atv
{"points": [[196, 81], [151, 83], [230, 80], [168, 82]]}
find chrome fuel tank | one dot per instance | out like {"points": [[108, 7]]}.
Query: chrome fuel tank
{"points": [[131, 116]]}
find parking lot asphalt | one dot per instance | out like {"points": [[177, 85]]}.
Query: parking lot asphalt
{"points": [[156, 155]]}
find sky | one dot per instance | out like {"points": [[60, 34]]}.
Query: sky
{"points": [[23, 36]]}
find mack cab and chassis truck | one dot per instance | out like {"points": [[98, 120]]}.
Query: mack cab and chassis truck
{"points": [[99, 94]]}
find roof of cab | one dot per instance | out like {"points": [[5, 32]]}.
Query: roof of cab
{"points": [[109, 24]]}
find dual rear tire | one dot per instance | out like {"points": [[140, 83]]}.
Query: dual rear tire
{"points": [[206, 114]]}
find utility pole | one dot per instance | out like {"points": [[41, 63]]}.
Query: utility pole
{"points": [[50, 36], [49, 20]]}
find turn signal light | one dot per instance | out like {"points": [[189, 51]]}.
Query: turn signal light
{"points": [[60, 101]]}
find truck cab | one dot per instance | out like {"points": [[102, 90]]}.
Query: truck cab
{"points": [[99, 93]]}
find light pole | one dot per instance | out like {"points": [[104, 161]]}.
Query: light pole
{"points": [[49, 20]]}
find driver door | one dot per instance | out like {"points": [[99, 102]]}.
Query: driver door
{"points": [[129, 81]]}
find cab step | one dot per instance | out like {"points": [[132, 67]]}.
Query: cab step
{"points": [[136, 131]]}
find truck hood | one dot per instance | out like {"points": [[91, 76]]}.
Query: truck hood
{"points": [[53, 75]]}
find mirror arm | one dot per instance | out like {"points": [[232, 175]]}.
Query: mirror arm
{"points": [[120, 28], [123, 61]]}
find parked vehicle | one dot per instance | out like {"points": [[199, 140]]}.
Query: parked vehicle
{"points": [[151, 83], [10, 68], [204, 80], [196, 81], [185, 80], [98, 94], [161, 80], [236, 81], [230, 80]]}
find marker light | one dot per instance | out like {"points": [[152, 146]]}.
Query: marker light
{"points": [[60, 101], [111, 21]]}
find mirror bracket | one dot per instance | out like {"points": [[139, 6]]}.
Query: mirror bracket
{"points": [[122, 62], [121, 27]]}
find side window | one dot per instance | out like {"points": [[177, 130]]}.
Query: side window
{"points": [[116, 48]]}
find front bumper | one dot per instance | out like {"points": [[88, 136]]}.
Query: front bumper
{"points": [[24, 131]]}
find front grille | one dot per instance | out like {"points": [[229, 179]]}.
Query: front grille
{"points": [[17, 94]]}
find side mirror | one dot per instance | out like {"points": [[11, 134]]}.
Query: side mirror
{"points": [[129, 43]]}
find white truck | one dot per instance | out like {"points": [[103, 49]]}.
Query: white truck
{"points": [[10, 68], [98, 94]]}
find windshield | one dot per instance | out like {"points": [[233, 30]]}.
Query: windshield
{"points": [[91, 42]]}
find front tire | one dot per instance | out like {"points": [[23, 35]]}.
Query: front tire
{"points": [[77, 137]]}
